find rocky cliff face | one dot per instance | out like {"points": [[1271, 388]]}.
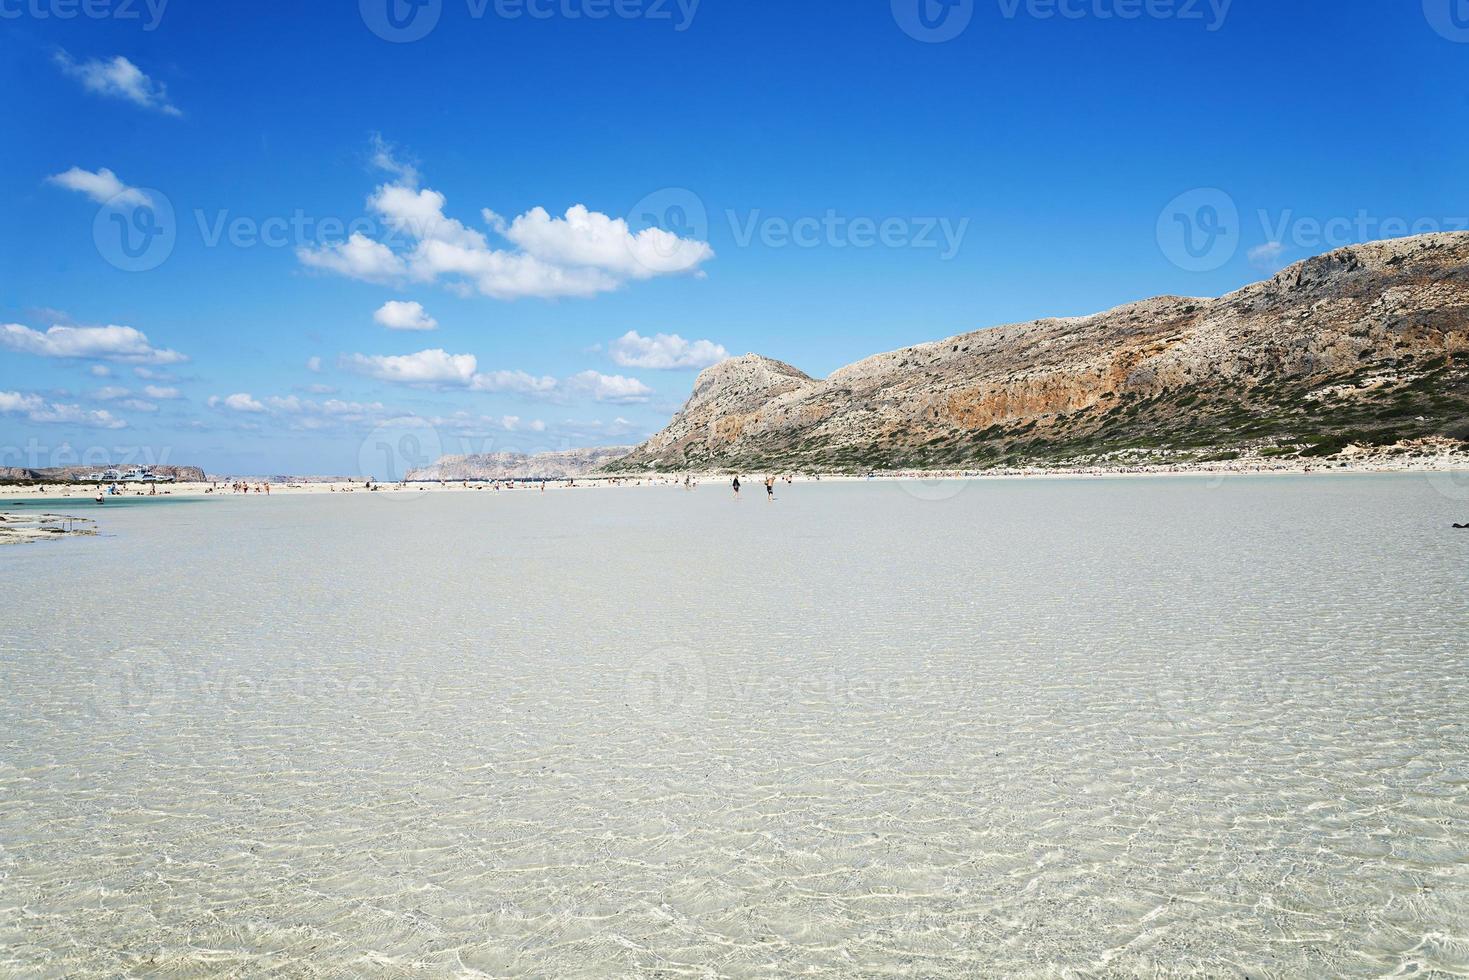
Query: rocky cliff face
{"points": [[518, 466], [1367, 345]]}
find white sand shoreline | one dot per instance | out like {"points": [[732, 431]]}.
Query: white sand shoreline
{"points": [[86, 493]]}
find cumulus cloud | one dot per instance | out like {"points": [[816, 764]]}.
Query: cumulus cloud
{"points": [[359, 257], [139, 405], [118, 78], [435, 367], [110, 393], [398, 315], [609, 387], [1267, 256], [14, 401], [36, 409], [665, 352], [238, 402], [467, 424], [385, 157], [291, 405], [110, 343], [102, 186], [100, 371], [161, 393], [519, 382], [313, 364], [588, 238], [582, 253]]}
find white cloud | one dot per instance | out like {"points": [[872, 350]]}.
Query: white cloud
{"points": [[37, 410], [313, 364], [665, 352], [118, 78], [102, 186], [100, 371], [110, 393], [385, 157], [138, 405], [291, 405], [609, 387], [515, 381], [359, 257], [161, 393], [581, 254], [239, 402], [148, 374], [14, 401], [398, 315], [589, 238], [465, 423], [110, 343], [439, 369], [419, 214], [427, 367], [1267, 256]]}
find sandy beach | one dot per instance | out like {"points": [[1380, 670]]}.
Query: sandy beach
{"points": [[1446, 462]]}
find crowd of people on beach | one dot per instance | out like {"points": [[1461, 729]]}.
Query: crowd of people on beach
{"points": [[240, 486]]}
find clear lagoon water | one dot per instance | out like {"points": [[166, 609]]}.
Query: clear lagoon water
{"points": [[1125, 727]]}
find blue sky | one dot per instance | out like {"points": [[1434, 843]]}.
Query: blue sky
{"points": [[824, 181]]}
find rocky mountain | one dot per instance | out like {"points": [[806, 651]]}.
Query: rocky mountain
{"points": [[519, 466], [1363, 346], [67, 474]]}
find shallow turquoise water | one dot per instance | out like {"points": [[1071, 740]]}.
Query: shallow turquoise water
{"points": [[1031, 728], [89, 502]]}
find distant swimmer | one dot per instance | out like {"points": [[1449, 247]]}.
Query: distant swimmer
{"points": [[1462, 527], [736, 486]]}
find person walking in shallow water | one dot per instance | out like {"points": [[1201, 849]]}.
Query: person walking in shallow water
{"points": [[736, 485], [770, 489]]}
